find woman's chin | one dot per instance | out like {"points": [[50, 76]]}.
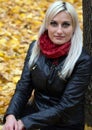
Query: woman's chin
{"points": [[58, 42]]}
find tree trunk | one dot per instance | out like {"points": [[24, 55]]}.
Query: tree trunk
{"points": [[87, 40]]}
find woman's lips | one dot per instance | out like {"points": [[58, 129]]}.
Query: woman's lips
{"points": [[59, 37]]}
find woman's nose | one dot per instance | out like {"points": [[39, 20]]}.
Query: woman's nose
{"points": [[59, 29]]}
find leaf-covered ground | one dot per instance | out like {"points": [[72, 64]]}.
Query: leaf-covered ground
{"points": [[20, 21]]}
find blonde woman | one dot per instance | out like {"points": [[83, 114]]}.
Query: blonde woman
{"points": [[58, 69]]}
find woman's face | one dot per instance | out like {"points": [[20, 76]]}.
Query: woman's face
{"points": [[60, 28]]}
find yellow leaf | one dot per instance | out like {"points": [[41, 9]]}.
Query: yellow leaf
{"points": [[22, 15], [3, 41], [29, 15], [34, 37], [2, 54], [15, 79], [1, 24], [18, 22], [71, 1], [13, 43], [0, 88], [15, 9]]}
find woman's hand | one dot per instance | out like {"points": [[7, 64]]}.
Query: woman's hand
{"points": [[11, 123], [20, 125]]}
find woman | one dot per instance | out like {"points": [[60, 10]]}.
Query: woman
{"points": [[58, 69]]}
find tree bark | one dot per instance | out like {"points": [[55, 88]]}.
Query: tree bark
{"points": [[87, 40]]}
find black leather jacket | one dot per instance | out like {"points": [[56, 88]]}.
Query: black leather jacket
{"points": [[57, 102]]}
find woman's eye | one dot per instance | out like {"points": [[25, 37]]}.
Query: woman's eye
{"points": [[53, 23], [65, 24]]}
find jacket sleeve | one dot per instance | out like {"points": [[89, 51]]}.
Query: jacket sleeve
{"points": [[23, 90], [72, 97]]}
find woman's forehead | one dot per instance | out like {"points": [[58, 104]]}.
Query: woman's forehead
{"points": [[62, 16]]}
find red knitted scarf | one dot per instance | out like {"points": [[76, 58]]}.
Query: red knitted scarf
{"points": [[51, 50]]}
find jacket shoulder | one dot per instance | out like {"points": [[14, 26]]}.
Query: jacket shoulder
{"points": [[29, 51], [31, 45], [85, 61], [85, 56]]}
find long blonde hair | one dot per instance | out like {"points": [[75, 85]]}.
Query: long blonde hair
{"points": [[76, 41]]}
